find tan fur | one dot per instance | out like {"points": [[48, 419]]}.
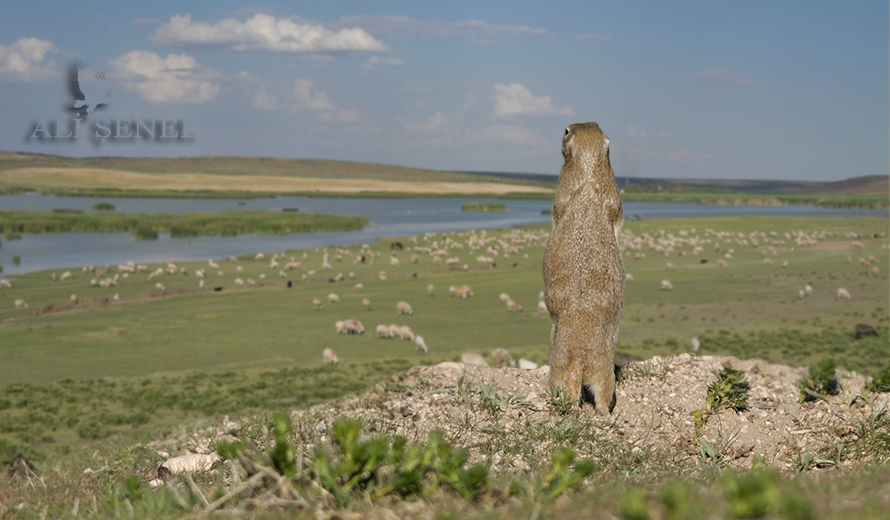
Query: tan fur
{"points": [[583, 270]]}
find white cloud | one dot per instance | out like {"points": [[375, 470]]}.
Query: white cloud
{"points": [[263, 100], [719, 79], [310, 98], [516, 100], [639, 131], [514, 134], [472, 29], [176, 78], [636, 130], [637, 152], [434, 123], [375, 60], [24, 60], [265, 33], [689, 156]]}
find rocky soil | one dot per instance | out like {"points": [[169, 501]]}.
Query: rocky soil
{"points": [[504, 415]]}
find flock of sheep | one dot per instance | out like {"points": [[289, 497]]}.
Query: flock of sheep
{"points": [[488, 249]]}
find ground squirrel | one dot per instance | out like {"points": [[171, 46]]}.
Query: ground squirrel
{"points": [[583, 270]]}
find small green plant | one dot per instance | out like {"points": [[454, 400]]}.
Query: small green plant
{"points": [[491, 401], [820, 382], [562, 476], [560, 402], [633, 505], [881, 382], [730, 390], [756, 494], [103, 206], [68, 211], [16, 260]]}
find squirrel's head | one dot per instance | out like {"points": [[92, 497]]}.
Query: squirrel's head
{"points": [[585, 146]]}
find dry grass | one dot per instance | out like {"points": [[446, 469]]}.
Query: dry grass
{"points": [[86, 178]]}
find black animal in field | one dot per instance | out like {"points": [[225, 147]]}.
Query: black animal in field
{"points": [[865, 330]]}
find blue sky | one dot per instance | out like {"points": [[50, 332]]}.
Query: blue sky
{"points": [[794, 90]]}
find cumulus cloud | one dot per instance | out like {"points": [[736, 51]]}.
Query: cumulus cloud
{"points": [[25, 59], [263, 100], [310, 98], [689, 156], [639, 131], [472, 29], [265, 33], [375, 60], [434, 123], [721, 79], [175, 78], [516, 100]]}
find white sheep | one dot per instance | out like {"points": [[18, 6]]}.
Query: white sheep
{"points": [[843, 294], [406, 333], [340, 327], [666, 285], [525, 364], [404, 308], [73, 299], [159, 287], [695, 344], [383, 331], [504, 297], [429, 289], [333, 298], [316, 304], [421, 345], [542, 308], [808, 290], [20, 304], [628, 277], [189, 463], [501, 358], [330, 357], [66, 275], [670, 267], [6, 284], [472, 358], [354, 327], [513, 306]]}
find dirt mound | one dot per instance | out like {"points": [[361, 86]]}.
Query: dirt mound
{"points": [[504, 415]]}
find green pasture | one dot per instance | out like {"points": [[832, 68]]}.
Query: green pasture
{"points": [[118, 367]]}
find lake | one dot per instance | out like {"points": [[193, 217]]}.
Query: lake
{"points": [[388, 217]]}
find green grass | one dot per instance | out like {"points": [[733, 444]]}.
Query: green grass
{"points": [[132, 370], [103, 206], [143, 226], [483, 207]]}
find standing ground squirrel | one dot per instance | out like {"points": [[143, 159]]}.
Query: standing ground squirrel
{"points": [[583, 270]]}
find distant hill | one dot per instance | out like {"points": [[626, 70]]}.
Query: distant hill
{"points": [[741, 186], [263, 166], [866, 185]]}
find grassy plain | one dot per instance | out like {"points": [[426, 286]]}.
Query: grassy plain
{"points": [[101, 375]]}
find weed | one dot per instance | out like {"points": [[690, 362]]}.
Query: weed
{"points": [[729, 391], [820, 382], [560, 402], [881, 382], [561, 477]]}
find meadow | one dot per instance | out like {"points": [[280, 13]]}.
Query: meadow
{"points": [[108, 372]]}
